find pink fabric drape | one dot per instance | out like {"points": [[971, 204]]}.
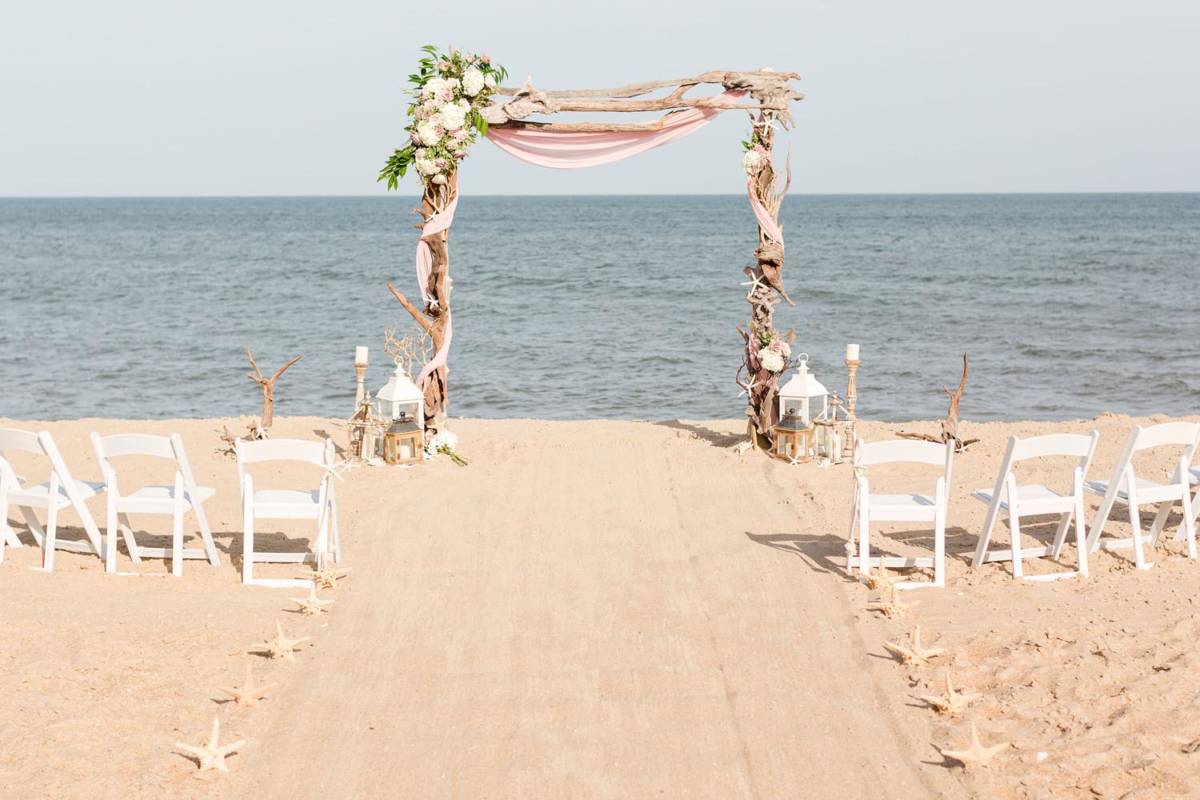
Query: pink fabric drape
{"points": [[436, 224], [575, 150]]}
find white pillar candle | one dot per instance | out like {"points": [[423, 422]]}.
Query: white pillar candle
{"points": [[360, 355], [852, 352]]}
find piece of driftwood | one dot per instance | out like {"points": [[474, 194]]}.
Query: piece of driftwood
{"points": [[950, 424], [434, 317], [268, 388], [765, 90]]}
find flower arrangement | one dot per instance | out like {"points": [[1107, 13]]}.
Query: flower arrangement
{"points": [[774, 354], [450, 91]]}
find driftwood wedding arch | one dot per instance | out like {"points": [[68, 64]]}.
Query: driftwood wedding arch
{"points": [[765, 95]]}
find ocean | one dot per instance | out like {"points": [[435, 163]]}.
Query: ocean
{"points": [[603, 307]]}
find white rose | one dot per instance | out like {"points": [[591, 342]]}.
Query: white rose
{"points": [[453, 116], [472, 82], [433, 86], [770, 360], [751, 161], [489, 81], [428, 131], [426, 166]]}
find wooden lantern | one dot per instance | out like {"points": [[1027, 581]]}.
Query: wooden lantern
{"points": [[793, 439], [403, 443]]}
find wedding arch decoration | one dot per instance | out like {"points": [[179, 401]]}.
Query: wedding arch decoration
{"points": [[457, 97]]}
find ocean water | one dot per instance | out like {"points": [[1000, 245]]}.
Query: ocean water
{"points": [[603, 307]]}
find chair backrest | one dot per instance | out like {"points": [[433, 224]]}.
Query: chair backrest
{"points": [[21, 441], [131, 444], [318, 453], [900, 451], [1168, 433], [1075, 445]]}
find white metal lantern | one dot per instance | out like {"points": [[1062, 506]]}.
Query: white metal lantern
{"points": [[401, 399], [803, 394]]}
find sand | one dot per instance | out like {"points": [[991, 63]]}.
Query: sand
{"points": [[596, 609]]}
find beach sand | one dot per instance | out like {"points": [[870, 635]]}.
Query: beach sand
{"points": [[597, 609]]}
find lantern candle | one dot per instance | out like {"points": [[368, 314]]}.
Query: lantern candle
{"points": [[852, 352], [360, 355]]}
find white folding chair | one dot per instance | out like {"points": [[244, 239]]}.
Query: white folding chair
{"points": [[60, 491], [175, 500], [869, 508], [319, 504], [8, 538], [1126, 488], [1033, 499]]}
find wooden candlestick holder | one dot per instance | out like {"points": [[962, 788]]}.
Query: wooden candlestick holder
{"points": [[851, 404]]}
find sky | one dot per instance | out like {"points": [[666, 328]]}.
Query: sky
{"points": [[144, 97]]}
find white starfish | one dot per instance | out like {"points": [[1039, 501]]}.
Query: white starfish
{"points": [[280, 646], [312, 605], [953, 702], [247, 695], [754, 283], [975, 755], [748, 387], [212, 755]]}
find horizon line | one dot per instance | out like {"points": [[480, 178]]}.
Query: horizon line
{"points": [[592, 194]]}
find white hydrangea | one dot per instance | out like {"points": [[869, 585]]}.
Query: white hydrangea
{"points": [[771, 360], [489, 81], [442, 437], [428, 131], [434, 86], [453, 115], [472, 82], [426, 166], [752, 161]]}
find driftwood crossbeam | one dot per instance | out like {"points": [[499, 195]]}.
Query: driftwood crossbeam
{"points": [[764, 94]]}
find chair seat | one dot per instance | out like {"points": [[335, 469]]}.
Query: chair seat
{"points": [[1148, 491], [287, 503], [160, 498], [1194, 475], [1031, 494], [39, 496]]}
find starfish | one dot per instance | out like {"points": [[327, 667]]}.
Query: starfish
{"points": [[280, 646], [893, 606], [326, 577], [879, 580], [953, 702], [748, 387], [754, 283], [915, 653], [975, 754], [311, 606], [212, 755], [248, 695]]}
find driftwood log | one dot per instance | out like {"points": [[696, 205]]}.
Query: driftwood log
{"points": [[950, 424], [435, 314], [268, 388]]}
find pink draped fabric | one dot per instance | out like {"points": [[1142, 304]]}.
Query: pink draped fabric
{"points": [[435, 225], [577, 149], [574, 150]]}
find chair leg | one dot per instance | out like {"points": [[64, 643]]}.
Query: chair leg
{"points": [[1160, 522], [850, 537], [1135, 522], [1014, 529], [1188, 528], [51, 537], [177, 532], [939, 550], [864, 543], [1060, 535], [210, 549], [130, 543], [337, 534], [35, 527], [247, 545], [1080, 534], [110, 539]]}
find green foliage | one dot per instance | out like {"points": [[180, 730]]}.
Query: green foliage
{"points": [[436, 140]]}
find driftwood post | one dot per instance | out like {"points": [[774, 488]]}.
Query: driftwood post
{"points": [[766, 288], [268, 387], [435, 315]]}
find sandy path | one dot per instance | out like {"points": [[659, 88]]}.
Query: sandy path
{"points": [[590, 617]]}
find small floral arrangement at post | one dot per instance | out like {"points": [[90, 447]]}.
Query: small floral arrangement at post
{"points": [[449, 92], [775, 353]]}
